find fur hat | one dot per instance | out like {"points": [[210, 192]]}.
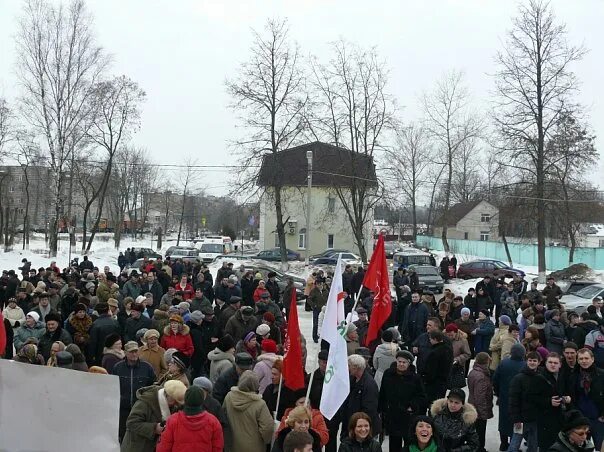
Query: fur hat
{"points": [[53, 316], [573, 419], [151, 333], [225, 343], [175, 389], [112, 339], [176, 318], [451, 328]]}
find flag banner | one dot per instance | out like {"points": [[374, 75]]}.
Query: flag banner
{"points": [[336, 385], [85, 404], [376, 280], [293, 367]]}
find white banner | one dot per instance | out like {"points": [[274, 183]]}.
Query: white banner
{"points": [[46, 409]]}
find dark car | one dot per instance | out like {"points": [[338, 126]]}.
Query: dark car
{"points": [[347, 258], [145, 252], [483, 267], [429, 277], [327, 253], [274, 254]]}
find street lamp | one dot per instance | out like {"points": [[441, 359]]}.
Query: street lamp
{"points": [[308, 211]]}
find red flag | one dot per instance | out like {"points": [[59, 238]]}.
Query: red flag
{"points": [[293, 368], [376, 280], [3, 338]]}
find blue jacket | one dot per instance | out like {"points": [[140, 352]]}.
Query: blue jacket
{"points": [[414, 321], [507, 369], [132, 378], [484, 333]]}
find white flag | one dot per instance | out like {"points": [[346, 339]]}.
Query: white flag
{"points": [[336, 385]]}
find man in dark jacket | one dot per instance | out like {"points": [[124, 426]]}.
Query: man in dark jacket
{"points": [[152, 286], [414, 320], [273, 287], [364, 395], [317, 298], [102, 327], [523, 409], [437, 367], [584, 327], [347, 276], [86, 264], [134, 374], [54, 332], [421, 346], [552, 294], [135, 322], [230, 378]]}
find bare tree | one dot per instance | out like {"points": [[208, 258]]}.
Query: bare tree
{"points": [[268, 93], [88, 174], [116, 106], [354, 110], [28, 153], [534, 86], [187, 179], [410, 159], [452, 125], [466, 178], [6, 119], [58, 62], [120, 189]]}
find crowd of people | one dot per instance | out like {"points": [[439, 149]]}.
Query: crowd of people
{"points": [[200, 361]]}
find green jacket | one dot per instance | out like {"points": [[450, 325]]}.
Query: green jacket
{"points": [[23, 333], [318, 298], [140, 426]]}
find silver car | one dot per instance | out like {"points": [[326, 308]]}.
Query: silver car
{"points": [[579, 301]]}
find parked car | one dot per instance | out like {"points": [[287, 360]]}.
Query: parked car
{"points": [[328, 252], [146, 252], [579, 301], [572, 286], [136, 265], [429, 277], [173, 248], [274, 255], [281, 279], [186, 255], [482, 267], [347, 258], [390, 248]]}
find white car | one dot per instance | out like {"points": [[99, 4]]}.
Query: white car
{"points": [[579, 301]]}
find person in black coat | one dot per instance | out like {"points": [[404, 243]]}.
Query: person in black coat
{"points": [[135, 322], [437, 367], [8, 350], [363, 396], [102, 327], [230, 378], [402, 396], [414, 319], [444, 268]]}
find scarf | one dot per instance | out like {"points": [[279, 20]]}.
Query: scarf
{"points": [[585, 380], [431, 447], [30, 353]]}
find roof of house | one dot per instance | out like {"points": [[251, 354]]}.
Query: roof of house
{"points": [[457, 212], [332, 166]]}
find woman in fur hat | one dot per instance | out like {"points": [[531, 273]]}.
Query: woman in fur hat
{"points": [[454, 421], [112, 352], [78, 325], [176, 335]]}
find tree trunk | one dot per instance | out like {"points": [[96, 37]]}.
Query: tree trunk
{"points": [[104, 185], [117, 235], [182, 216], [507, 249], [159, 238], [414, 216], [281, 229]]}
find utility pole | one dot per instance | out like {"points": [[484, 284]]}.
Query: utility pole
{"points": [[308, 205]]}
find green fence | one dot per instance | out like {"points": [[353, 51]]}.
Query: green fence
{"points": [[556, 257]]}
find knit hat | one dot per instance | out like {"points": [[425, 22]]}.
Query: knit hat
{"points": [[406, 355], [263, 329], [465, 311], [387, 336], [175, 389], [517, 352], [140, 299], [225, 343], [269, 346], [151, 333], [140, 334], [53, 316], [80, 307], [203, 383], [458, 394], [112, 339], [573, 419], [451, 328], [34, 315], [351, 328], [196, 316], [248, 382], [194, 397], [249, 336], [505, 320]]}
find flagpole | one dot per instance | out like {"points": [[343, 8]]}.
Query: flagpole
{"points": [[278, 397]]}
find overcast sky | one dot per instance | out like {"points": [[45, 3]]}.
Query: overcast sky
{"points": [[181, 51]]}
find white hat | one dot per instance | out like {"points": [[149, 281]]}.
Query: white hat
{"points": [[263, 329], [140, 299], [34, 315]]}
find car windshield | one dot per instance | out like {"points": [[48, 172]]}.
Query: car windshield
{"points": [[426, 271], [589, 291], [499, 264], [418, 259], [211, 248]]}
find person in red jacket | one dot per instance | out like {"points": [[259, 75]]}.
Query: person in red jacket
{"points": [[176, 335], [192, 429], [185, 287], [260, 290]]}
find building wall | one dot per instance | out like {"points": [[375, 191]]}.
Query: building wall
{"points": [[328, 217], [473, 226]]}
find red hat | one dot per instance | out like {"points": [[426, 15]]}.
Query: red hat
{"points": [[269, 346], [451, 328]]}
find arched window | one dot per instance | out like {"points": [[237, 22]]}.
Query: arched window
{"points": [[302, 239]]}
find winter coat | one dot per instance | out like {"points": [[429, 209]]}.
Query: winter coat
{"points": [[595, 342], [288, 399], [506, 345], [480, 391], [238, 327], [155, 289], [437, 369], [132, 378], [524, 394], [133, 325], [414, 321], [273, 308], [249, 413], [155, 357], [591, 403], [23, 333], [352, 445], [14, 316], [383, 357], [181, 341], [549, 420], [501, 385], [100, 329], [563, 444], [107, 290], [200, 433], [224, 383], [456, 430], [318, 298], [364, 396], [219, 363], [461, 349], [496, 344], [263, 367], [111, 358], [131, 289], [554, 336], [160, 320], [581, 331], [402, 397], [187, 291], [484, 332], [47, 339], [145, 415]]}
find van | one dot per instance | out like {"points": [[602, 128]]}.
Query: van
{"points": [[213, 246], [410, 257]]}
